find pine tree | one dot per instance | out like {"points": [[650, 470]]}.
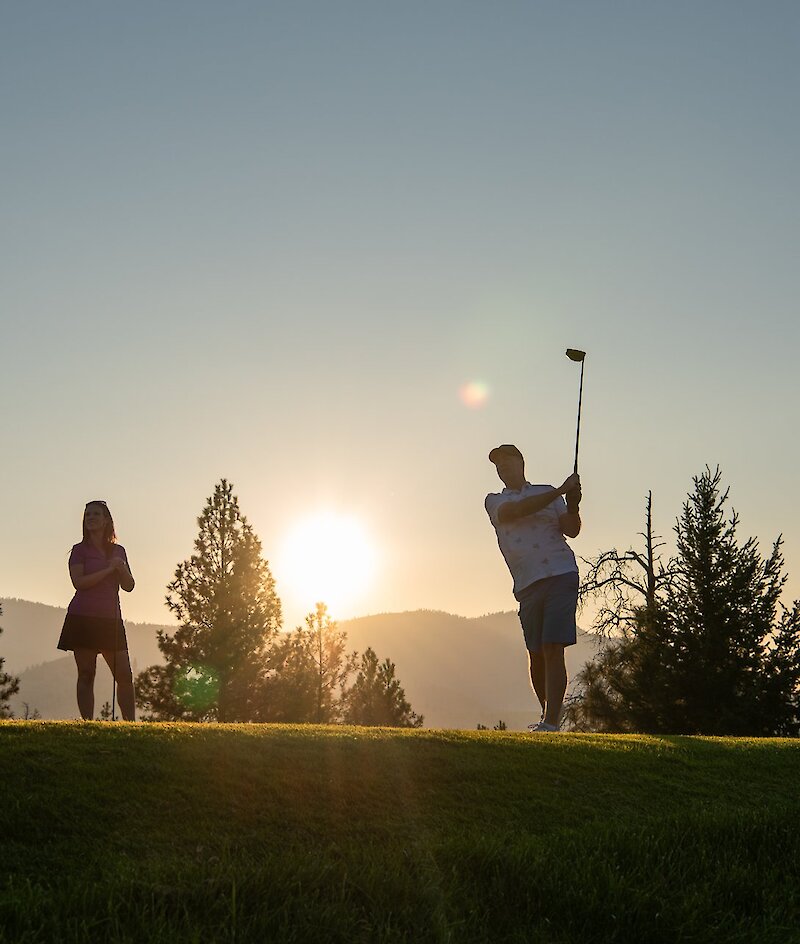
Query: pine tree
{"points": [[709, 652], [308, 670], [727, 639], [781, 693], [376, 696], [9, 685], [229, 613], [629, 685]]}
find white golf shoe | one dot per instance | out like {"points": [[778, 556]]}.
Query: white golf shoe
{"points": [[542, 727]]}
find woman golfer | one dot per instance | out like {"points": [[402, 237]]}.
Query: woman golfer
{"points": [[98, 567]]}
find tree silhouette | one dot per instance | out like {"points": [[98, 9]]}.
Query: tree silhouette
{"points": [[626, 583], [308, 668], [376, 696], [9, 685], [625, 688], [712, 650], [726, 633], [229, 613]]}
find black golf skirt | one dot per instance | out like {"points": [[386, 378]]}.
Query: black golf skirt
{"points": [[100, 633]]}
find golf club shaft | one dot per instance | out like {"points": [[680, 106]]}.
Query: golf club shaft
{"points": [[114, 677], [578, 432]]}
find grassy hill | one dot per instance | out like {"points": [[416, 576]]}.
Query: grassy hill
{"points": [[177, 833]]}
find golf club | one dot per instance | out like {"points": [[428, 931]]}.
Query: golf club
{"points": [[578, 356]]}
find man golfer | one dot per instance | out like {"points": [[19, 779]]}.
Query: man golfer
{"points": [[531, 522]]}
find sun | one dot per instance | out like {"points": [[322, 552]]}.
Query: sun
{"points": [[329, 558]]}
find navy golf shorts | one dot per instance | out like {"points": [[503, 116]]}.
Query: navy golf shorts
{"points": [[547, 611]]}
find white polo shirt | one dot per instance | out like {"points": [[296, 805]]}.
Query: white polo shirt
{"points": [[533, 546]]}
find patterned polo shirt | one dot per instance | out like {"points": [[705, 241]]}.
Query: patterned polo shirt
{"points": [[534, 547]]}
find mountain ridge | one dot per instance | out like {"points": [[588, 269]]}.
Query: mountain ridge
{"points": [[457, 671]]}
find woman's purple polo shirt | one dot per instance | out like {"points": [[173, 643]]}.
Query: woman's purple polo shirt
{"points": [[103, 598]]}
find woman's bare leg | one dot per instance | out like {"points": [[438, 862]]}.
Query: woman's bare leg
{"points": [[86, 661], [120, 666]]}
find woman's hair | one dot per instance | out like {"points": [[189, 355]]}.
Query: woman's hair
{"points": [[109, 534]]}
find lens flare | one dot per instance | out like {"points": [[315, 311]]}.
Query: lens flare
{"points": [[197, 687], [474, 394]]}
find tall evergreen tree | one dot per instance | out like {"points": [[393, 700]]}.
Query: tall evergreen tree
{"points": [[376, 696], [727, 636], [229, 613], [308, 671], [712, 651], [629, 685], [9, 685], [781, 693]]}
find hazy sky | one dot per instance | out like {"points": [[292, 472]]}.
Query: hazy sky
{"points": [[272, 241]]}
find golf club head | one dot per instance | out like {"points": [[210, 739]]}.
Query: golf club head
{"points": [[574, 355]]}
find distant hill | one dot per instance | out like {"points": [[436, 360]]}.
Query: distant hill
{"points": [[47, 675], [31, 631], [456, 671]]}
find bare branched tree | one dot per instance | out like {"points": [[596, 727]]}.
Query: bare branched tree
{"points": [[627, 583]]}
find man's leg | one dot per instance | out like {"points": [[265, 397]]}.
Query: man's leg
{"points": [[530, 617], [559, 631], [538, 677], [555, 681]]}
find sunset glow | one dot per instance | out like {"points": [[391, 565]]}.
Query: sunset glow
{"points": [[328, 558]]}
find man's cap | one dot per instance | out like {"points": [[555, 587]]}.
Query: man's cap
{"points": [[506, 449]]}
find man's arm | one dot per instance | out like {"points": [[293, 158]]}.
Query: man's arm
{"points": [[513, 510], [570, 523]]}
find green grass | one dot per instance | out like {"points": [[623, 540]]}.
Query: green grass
{"points": [[178, 833]]}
